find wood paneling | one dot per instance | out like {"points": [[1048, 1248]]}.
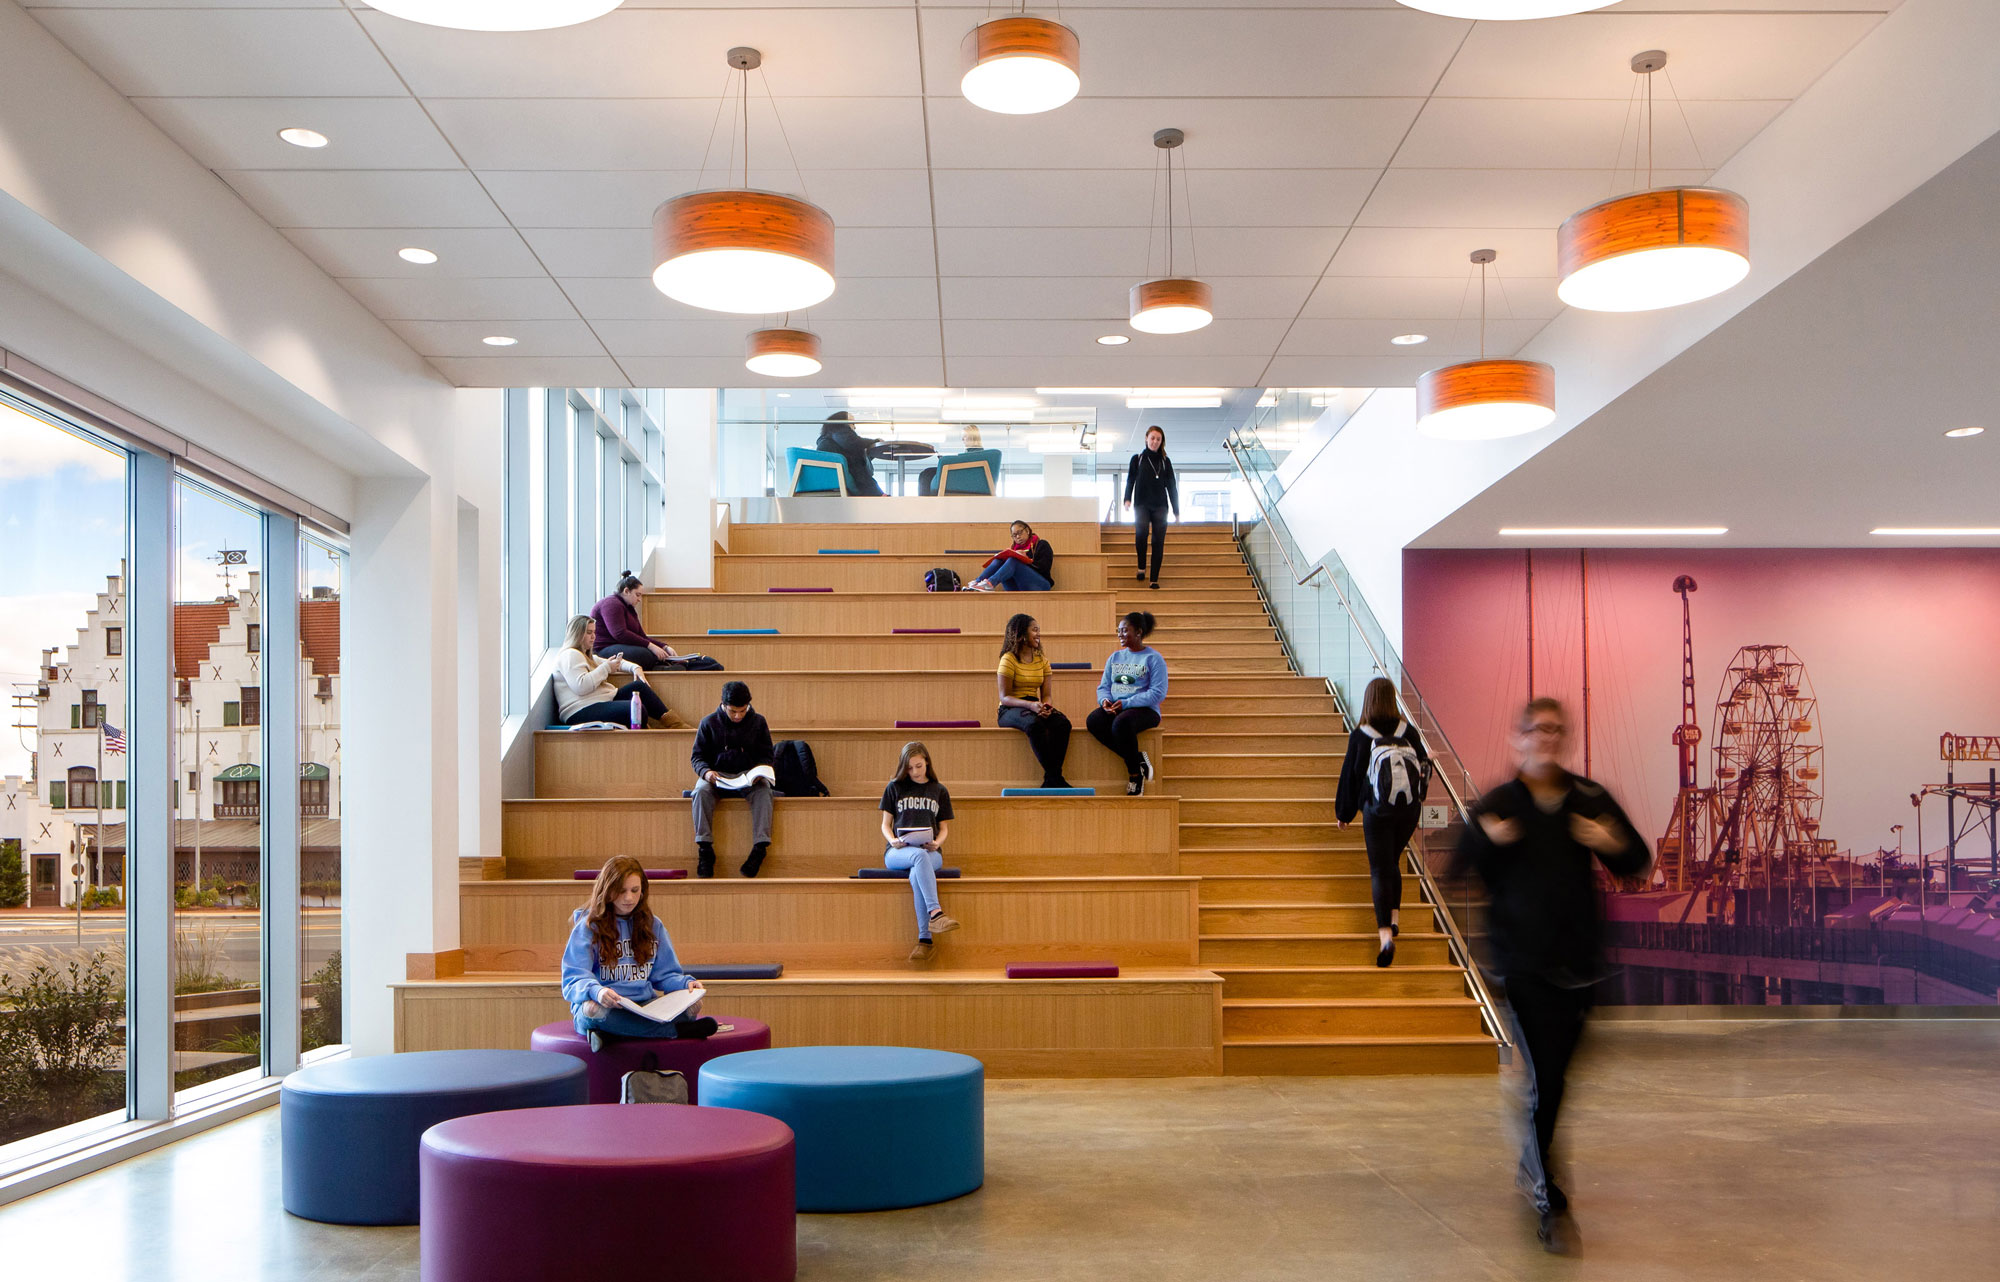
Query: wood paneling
{"points": [[1484, 382], [884, 573], [1656, 219], [1134, 921], [804, 700], [877, 613], [806, 538], [1256, 652]]}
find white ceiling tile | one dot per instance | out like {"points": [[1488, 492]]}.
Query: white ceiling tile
{"points": [[1101, 251], [1079, 338], [1500, 197], [600, 198], [627, 251], [673, 133], [1106, 298], [728, 371], [224, 53], [531, 371], [1222, 133], [863, 298], [1451, 339], [1395, 299], [1519, 133], [1715, 56], [536, 339], [1347, 371], [397, 198], [632, 53], [728, 337], [1122, 197], [1435, 251], [1106, 370], [443, 299], [242, 133], [461, 251]]}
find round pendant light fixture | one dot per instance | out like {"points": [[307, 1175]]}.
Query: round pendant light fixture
{"points": [[1172, 304], [741, 250], [1506, 10], [1656, 248], [1486, 399], [784, 353], [1020, 65], [497, 15]]}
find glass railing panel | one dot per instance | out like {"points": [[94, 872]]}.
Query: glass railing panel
{"points": [[910, 453]]}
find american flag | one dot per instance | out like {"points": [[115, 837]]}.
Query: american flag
{"points": [[114, 740]]}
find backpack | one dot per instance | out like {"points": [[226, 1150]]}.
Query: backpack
{"points": [[798, 774], [653, 1085], [1396, 775], [696, 663], [941, 580]]}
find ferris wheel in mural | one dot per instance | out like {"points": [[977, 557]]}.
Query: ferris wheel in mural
{"points": [[1767, 764]]}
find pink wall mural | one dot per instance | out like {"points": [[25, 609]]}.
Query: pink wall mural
{"points": [[1836, 672]]}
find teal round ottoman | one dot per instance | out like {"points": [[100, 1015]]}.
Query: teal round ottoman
{"points": [[877, 1127]]}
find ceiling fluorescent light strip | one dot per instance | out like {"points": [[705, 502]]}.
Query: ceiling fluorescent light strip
{"points": [[1938, 531], [1173, 402], [1610, 531]]}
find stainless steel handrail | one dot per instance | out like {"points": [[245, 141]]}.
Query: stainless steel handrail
{"points": [[1489, 1010]]}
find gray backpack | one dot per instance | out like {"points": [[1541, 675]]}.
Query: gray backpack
{"points": [[652, 1085]]}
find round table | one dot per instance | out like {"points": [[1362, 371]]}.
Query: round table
{"points": [[900, 453]]}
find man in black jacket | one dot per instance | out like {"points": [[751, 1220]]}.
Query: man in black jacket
{"points": [[729, 741], [1532, 842]]}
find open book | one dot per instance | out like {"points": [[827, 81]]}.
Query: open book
{"points": [[914, 836], [736, 783], [667, 1007]]}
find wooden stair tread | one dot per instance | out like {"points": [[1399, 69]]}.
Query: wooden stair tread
{"points": [[808, 975], [1385, 1039], [1365, 1003], [1406, 937], [1228, 968]]}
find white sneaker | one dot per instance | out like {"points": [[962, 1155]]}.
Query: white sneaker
{"points": [[1145, 767]]}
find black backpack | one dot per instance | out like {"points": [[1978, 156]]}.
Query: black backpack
{"points": [[941, 580], [798, 775]]}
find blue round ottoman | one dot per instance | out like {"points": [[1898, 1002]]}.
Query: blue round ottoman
{"points": [[878, 1127], [350, 1129]]}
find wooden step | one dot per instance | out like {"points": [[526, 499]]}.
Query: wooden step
{"points": [[804, 538], [803, 700], [1280, 766], [1294, 1019], [1188, 704], [1280, 918], [853, 760], [1268, 836], [1227, 787], [1299, 888], [887, 572], [1300, 809], [876, 613], [1404, 979], [1292, 743], [1233, 722], [1250, 863], [1304, 949], [1360, 1056]]}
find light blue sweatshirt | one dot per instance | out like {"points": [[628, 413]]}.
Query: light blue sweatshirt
{"points": [[583, 978], [1136, 678]]}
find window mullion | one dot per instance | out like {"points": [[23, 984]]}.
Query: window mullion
{"points": [[149, 862], [279, 714]]}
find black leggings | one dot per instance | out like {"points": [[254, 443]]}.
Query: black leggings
{"points": [[1150, 520], [639, 654], [1549, 1022], [1048, 736], [1121, 732], [618, 708], [1386, 838]]}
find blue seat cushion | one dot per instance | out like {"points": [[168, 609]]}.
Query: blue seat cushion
{"points": [[737, 970]]}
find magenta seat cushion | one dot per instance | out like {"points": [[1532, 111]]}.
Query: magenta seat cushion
{"points": [[623, 1054], [1044, 970], [523, 1196]]}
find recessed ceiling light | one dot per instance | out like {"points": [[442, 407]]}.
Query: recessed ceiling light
{"points": [[1410, 340], [1610, 531], [1938, 531], [1173, 402], [1954, 433], [303, 137], [499, 340], [1115, 340], [421, 257]]}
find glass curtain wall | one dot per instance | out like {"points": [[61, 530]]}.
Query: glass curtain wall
{"points": [[322, 575]]}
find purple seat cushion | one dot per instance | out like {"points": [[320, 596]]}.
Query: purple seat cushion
{"points": [[1058, 970], [922, 631], [798, 589], [937, 725], [652, 874], [623, 1054], [513, 1197]]}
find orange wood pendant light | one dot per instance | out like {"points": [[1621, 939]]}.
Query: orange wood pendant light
{"points": [[1172, 304], [741, 250], [1020, 65], [1486, 399], [784, 353]]}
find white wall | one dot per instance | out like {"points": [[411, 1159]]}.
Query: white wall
{"points": [[684, 558]]}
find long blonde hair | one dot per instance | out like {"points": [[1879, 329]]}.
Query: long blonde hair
{"points": [[573, 640]]}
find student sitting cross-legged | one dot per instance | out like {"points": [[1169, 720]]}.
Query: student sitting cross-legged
{"points": [[619, 956], [731, 741], [916, 817], [1129, 697]]}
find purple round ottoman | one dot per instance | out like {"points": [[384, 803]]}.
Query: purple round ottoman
{"points": [[622, 1055], [525, 1194]]}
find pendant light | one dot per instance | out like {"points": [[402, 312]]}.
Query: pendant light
{"points": [[1171, 304], [497, 15], [1020, 65], [1486, 399], [1507, 10], [742, 250], [1656, 248], [784, 353]]}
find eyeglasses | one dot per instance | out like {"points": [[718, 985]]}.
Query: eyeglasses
{"points": [[1550, 729]]}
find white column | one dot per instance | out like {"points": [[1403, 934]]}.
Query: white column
{"points": [[684, 559]]}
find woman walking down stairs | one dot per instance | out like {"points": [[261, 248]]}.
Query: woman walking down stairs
{"points": [[1284, 905]]}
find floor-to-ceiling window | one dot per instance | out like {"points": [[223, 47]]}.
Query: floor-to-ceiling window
{"points": [[322, 574]]}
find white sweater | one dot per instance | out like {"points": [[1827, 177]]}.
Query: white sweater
{"points": [[578, 684]]}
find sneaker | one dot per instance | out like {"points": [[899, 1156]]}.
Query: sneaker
{"points": [[1145, 767], [940, 923], [596, 1040], [704, 859], [756, 859], [1135, 786], [924, 951]]}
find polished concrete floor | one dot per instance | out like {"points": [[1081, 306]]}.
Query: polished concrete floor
{"points": [[1771, 1151]]}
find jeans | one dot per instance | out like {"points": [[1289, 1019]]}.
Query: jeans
{"points": [[922, 865], [1548, 1023], [1015, 576], [1151, 520], [1048, 736], [1121, 732], [1386, 838], [619, 1022], [639, 654], [618, 708], [707, 794]]}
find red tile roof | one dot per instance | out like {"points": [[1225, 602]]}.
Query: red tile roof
{"points": [[197, 626], [319, 633]]}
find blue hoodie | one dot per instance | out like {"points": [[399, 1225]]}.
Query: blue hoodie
{"points": [[583, 978], [1136, 678]]}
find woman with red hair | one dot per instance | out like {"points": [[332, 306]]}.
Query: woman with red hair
{"points": [[618, 956]]}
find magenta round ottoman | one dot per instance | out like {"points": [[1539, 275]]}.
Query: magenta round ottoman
{"points": [[622, 1055], [527, 1195]]}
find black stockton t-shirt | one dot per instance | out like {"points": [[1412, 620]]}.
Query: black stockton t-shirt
{"points": [[916, 805]]}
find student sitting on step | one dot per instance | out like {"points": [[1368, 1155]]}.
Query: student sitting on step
{"points": [[583, 686], [1129, 697], [916, 818], [731, 741], [1024, 678], [619, 956], [1025, 565], [618, 631]]}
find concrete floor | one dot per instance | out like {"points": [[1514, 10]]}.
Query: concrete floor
{"points": [[1774, 1151]]}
